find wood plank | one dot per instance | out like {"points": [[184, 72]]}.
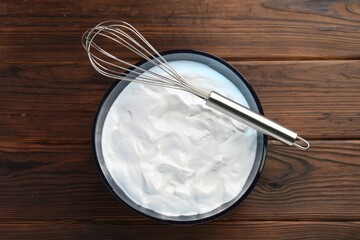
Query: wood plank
{"points": [[191, 10], [216, 230], [293, 30], [319, 99], [57, 180]]}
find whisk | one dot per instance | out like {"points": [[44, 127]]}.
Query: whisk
{"points": [[107, 63]]}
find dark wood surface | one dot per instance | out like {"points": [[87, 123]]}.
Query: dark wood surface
{"points": [[301, 57]]}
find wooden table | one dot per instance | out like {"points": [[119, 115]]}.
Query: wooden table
{"points": [[301, 57]]}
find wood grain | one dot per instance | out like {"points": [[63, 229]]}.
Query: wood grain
{"points": [[301, 57], [217, 230], [40, 181], [186, 9], [300, 30]]}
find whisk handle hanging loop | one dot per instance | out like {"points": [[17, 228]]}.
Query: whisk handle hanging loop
{"points": [[255, 120]]}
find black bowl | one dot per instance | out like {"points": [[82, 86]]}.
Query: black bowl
{"points": [[239, 81]]}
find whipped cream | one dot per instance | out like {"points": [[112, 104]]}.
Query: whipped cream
{"points": [[172, 154]]}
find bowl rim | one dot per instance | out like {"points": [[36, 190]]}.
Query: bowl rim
{"points": [[186, 222]]}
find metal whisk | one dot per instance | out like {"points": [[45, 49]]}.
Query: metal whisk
{"points": [[114, 33]]}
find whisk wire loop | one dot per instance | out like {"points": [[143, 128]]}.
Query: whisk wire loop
{"points": [[130, 38]]}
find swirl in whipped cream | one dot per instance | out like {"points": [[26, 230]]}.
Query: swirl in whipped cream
{"points": [[172, 154]]}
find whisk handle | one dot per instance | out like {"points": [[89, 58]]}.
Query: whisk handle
{"points": [[255, 120]]}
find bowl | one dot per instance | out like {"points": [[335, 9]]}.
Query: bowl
{"points": [[239, 81]]}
